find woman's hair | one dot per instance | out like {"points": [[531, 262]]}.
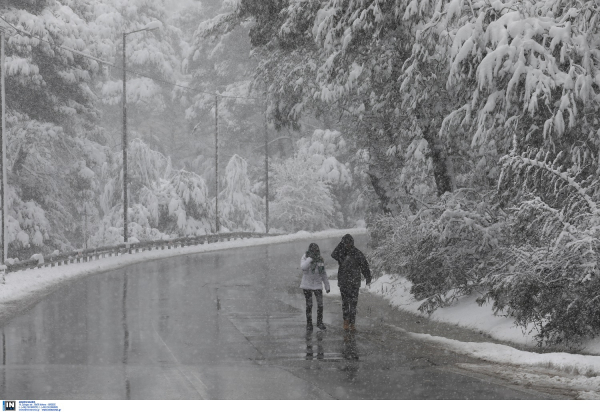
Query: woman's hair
{"points": [[313, 249]]}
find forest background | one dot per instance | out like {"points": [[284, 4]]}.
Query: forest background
{"points": [[465, 133]]}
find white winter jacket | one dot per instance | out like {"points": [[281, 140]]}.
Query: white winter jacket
{"points": [[311, 279]]}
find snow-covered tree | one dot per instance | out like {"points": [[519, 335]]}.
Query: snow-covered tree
{"points": [[183, 200], [328, 154], [155, 53], [303, 201], [222, 65], [162, 200], [48, 83], [84, 182], [306, 77], [239, 208], [28, 228], [552, 277], [51, 116], [513, 67], [42, 161]]}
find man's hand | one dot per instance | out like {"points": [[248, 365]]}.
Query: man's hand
{"points": [[368, 284], [327, 290]]}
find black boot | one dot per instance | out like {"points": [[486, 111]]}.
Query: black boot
{"points": [[320, 324]]}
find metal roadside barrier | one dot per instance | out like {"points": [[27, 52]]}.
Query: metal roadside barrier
{"points": [[87, 255]]}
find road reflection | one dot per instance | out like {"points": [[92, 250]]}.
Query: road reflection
{"points": [[350, 354], [310, 352], [125, 359], [3, 387], [349, 349]]}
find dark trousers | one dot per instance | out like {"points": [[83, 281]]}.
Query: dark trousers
{"points": [[309, 304], [349, 302]]}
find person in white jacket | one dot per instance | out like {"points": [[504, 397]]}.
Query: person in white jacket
{"points": [[314, 277]]}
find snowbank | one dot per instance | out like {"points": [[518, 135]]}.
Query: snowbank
{"points": [[587, 365], [28, 284], [580, 372], [465, 312]]}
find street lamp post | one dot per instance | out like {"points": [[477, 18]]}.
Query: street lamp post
{"points": [[125, 204], [217, 163], [3, 149], [150, 26], [266, 172]]}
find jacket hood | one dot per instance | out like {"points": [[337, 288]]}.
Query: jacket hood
{"points": [[348, 240]]}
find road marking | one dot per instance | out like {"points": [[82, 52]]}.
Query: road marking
{"points": [[189, 375]]}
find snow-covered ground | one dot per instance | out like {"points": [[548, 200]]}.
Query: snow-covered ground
{"points": [[556, 371], [465, 312], [28, 284]]}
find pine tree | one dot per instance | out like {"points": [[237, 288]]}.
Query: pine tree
{"points": [[239, 207], [303, 200]]}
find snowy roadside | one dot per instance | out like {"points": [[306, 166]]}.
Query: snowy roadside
{"points": [[29, 284], [465, 313], [551, 371], [556, 371]]}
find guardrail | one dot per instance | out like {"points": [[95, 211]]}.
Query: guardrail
{"points": [[94, 254]]}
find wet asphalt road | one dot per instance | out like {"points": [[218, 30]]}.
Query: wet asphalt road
{"points": [[222, 325]]}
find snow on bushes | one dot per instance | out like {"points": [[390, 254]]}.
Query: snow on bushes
{"points": [[443, 249], [551, 277], [106, 234], [534, 255]]}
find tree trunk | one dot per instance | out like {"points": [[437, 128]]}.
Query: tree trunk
{"points": [[443, 172], [384, 199], [19, 161]]}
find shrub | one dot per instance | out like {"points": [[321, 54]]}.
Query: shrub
{"points": [[550, 278], [443, 249], [536, 259]]}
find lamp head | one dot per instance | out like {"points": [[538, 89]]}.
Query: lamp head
{"points": [[153, 25]]}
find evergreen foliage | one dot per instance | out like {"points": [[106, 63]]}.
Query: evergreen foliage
{"points": [[240, 207], [531, 249], [303, 200]]}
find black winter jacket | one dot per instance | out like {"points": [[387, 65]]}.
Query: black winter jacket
{"points": [[352, 263]]}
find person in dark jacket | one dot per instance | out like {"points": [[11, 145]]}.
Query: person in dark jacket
{"points": [[352, 263]]}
